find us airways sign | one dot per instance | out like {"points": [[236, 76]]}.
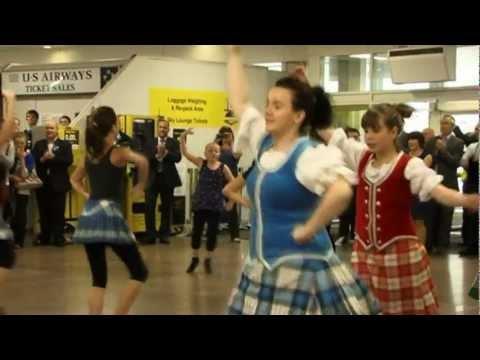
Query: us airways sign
{"points": [[53, 82]]}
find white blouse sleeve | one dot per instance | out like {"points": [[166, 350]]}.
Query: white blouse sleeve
{"points": [[319, 167], [352, 149], [250, 132], [422, 179]]}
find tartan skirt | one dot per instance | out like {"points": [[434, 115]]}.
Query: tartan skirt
{"points": [[301, 287], [102, 222], [399, 276]]}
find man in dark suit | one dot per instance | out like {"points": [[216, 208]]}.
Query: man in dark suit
{"points": [[52, 158], [163, 180], [446, 151]]}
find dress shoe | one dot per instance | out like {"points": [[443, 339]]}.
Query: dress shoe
{"points": [[193, 265], [164, 240]]}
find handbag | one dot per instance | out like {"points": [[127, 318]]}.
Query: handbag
{"points": [[32, 182]]}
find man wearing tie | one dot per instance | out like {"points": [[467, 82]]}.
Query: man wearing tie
{"points": [[163, 180], [446, 151], [52, 159]]}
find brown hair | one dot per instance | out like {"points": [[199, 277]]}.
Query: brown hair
{"points": [[393, 115], [99, 124]]}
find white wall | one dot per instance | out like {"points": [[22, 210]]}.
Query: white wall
{"points": [[48, 106], [128, 93]]}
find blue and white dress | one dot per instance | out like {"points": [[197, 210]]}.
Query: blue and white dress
{"points": [[281, 276], [102, 219]]}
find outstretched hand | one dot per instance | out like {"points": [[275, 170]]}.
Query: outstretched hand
{"points": [[472, 202], [187, 132]]}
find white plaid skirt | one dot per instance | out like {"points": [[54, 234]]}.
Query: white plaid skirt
{"points": [[102, 222], [301, 287]]}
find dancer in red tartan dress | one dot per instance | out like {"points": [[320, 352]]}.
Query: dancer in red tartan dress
{"points": [[387, 254]]}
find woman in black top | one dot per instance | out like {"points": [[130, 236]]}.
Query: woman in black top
{"points": [[101, 223]]}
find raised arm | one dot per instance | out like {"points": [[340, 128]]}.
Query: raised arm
{"points": [[237, 81], [7, 129], [183, 147]]}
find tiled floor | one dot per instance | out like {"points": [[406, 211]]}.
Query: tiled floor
{"points": [[49, 280]]}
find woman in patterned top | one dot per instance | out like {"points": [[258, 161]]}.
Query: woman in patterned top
{"points": [[208, 199]]}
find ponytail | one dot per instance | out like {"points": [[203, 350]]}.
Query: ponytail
{"points": [[99, 124], [322, 112]]}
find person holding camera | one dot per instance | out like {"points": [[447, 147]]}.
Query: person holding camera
{"points": [[225, 140]]}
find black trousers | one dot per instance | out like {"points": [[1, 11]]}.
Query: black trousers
{"points": [[347, 222], [233, 222], [470, 229], [51, 206], [19, 220], [438, 222], [166, 208], [200, 217], [128, 254]]}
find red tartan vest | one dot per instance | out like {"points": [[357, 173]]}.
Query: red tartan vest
{"points": [[384, 208]]}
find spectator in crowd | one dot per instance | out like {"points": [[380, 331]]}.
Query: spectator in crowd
{"points": [[23, 167], [446, 151], [32, 121], [346, 231], [163, 180], [468, 138], [470, 227], [428, 134], [52, 158], [65, 121], [225, 139]]}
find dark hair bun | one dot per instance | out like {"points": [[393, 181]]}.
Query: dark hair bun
{"points": [[404, 110], [323, 113]]}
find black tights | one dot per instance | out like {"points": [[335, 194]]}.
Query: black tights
{"points": [[129, 255], [200, 217]]}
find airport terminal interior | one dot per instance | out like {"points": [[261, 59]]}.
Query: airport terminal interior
{"points": [[139, 179]]}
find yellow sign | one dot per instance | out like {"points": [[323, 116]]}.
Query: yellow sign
{"points": [[191, 108]]}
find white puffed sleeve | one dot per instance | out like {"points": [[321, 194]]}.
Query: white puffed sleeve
{"points": [[352, 149], [422, 179], [250, 132], [318, 167]]}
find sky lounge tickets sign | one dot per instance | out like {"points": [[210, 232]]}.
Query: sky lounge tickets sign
{"points": [[53, 82]]}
